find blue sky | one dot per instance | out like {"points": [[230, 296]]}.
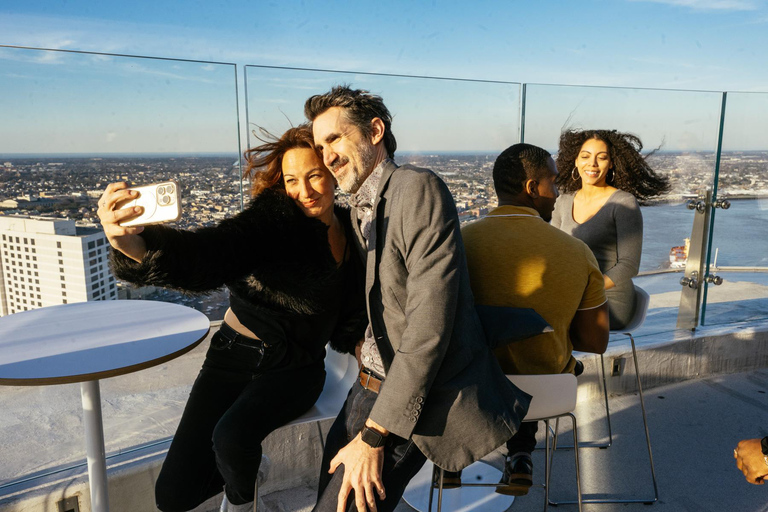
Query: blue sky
{"points": [[710, 45]]}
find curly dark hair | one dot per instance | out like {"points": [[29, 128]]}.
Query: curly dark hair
{"points": [[265, 162], [360, 107], [631, 171]]}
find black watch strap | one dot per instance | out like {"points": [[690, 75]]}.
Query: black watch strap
{"points": [[372, 438], [764, 445]]}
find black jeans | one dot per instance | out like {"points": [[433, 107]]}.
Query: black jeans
{"points": [[402, 458], [232, 407], [525, 439]]}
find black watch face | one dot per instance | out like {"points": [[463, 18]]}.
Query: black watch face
{"points": [[372, 438]]}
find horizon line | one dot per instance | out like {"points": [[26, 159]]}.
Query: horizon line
{"points": [[222, 154]]}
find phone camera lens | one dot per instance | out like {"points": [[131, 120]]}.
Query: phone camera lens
{"points": [[165, 199], [160, 190], [169, 189]]}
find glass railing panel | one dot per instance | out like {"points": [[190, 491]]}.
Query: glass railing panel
{"points": [[739, 247], [454, 127], [74, 122], [71, 124], [682, 126]]}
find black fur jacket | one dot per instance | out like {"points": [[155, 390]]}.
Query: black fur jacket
{"points": [[270, 254]]}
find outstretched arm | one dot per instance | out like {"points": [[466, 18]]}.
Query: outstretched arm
{"points": [[270, 235], [126, 240]]}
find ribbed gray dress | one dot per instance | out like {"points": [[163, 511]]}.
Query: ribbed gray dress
{"points": [[615, 235]]}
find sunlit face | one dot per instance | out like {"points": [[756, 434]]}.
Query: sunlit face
{"points": [[346, 151], [547, 190], [593, 163], [309, 183]]}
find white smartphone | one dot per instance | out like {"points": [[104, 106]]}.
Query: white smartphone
{"points": [[161, 203]]}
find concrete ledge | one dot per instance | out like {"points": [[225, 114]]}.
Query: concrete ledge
{"points": [[131, 484], [295, 454], [684, 355]]}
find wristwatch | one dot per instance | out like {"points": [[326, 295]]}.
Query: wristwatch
{"points": [[372, 438]]}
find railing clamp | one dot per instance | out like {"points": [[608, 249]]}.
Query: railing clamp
{"points": [[691, 282]]}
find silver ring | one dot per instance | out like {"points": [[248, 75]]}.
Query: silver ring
{"points": [[735, 452]]}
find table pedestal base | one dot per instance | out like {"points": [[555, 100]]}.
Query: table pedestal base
{"points": [[464, 499], [94, 445]]}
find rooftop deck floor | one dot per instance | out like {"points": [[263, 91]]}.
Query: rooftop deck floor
{"points": [[694, 426]]}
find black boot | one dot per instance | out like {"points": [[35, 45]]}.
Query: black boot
{"points": [[518, 475]]}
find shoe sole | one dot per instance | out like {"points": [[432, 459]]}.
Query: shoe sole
{"points": [[514, 490], [519, 485]]}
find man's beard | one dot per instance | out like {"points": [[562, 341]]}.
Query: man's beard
{"points": [[356, 175]]}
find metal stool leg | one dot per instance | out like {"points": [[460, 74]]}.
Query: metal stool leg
{"points": [[435, 470], [579, 499], [440, 491], [607, 411], [547, 463], [645, 423], [432, 488], [647, 501], [576, 458], [590, 444]]}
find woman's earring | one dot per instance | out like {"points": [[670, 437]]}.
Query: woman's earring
{"points": [[575, 174]]}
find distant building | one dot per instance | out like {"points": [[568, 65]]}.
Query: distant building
{"points": [[45, 262]]}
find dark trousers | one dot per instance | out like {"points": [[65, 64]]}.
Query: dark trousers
{"points": [[525, 439], [231, 409], [402, 459]]}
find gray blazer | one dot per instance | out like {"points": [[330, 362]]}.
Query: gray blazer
{"points": [[444, 387]]}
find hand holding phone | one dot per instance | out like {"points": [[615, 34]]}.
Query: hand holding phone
{"points": [[161, 203]]}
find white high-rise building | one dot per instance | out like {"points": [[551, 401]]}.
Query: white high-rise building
{"points": [[45, 262]]}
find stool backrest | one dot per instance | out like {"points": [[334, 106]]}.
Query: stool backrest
{"points": [[553, 394], [341, 370], [642, 299]]}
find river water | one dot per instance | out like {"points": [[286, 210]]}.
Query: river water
{"points": [[740, 233]]}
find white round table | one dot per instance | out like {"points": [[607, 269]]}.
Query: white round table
{"points": [[87, 341]]}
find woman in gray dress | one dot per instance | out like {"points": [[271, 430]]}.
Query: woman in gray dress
{"points": [[603, 177]]}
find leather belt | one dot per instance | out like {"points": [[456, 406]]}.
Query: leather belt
{"points": [[369, 380]]}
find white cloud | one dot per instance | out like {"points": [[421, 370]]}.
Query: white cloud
{"points": [[157, 40], [711, 5]]}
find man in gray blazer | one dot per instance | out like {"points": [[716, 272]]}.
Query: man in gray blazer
{"points": [[430, 388]]}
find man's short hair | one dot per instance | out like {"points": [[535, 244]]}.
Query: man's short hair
{"points": [[360, 107], [517, 164]]}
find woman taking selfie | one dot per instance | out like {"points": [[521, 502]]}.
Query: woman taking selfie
{"points": [[603, 176], [294, 285]]}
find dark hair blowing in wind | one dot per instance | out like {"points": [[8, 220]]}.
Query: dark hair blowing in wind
{"points": [[265, 162], [631, 171], [360, 107]]}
